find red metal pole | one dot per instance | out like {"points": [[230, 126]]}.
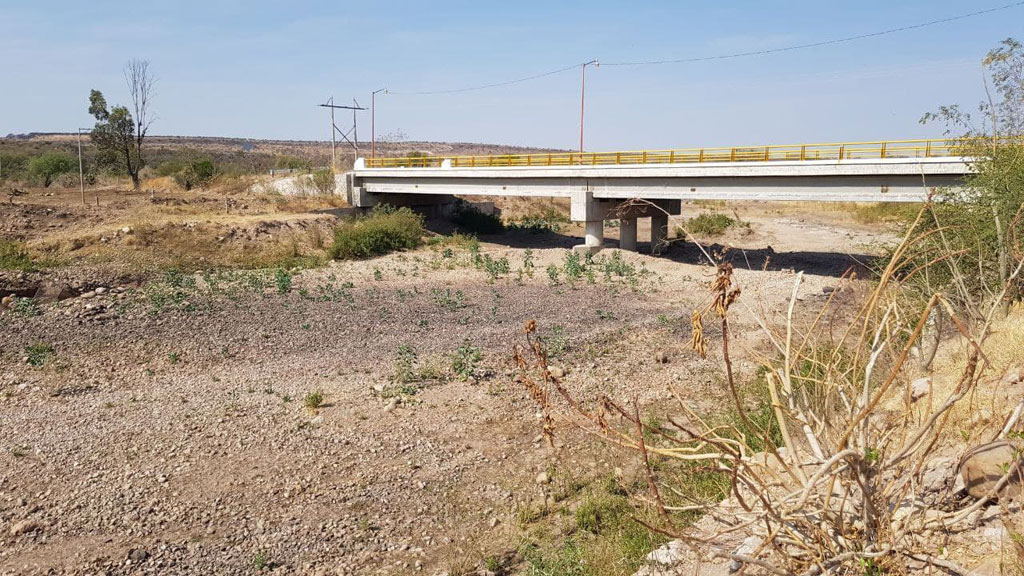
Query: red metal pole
{"points": [[583, 94], [373, 123]]}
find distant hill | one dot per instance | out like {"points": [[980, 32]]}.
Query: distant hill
{"points": [[317, 151]]}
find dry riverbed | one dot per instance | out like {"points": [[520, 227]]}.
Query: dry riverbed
{"points": [[358, 418]]}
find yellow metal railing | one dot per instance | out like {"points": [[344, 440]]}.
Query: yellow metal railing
{"points": [[792, 152]]}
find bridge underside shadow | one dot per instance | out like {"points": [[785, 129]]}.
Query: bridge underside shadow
{"points": [[816, 262], [819, 263]]}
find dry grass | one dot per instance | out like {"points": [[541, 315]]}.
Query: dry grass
{"points": [[187, 230], [821, 484]]}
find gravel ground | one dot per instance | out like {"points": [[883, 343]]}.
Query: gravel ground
{"points": [[165, 431]]}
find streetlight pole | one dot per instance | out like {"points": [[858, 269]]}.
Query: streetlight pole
{"points": [[583, 95], [373, 125]]}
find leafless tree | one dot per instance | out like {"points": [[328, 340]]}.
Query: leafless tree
{"points": [[140, 87]]}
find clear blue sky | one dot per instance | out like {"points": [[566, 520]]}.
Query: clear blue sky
{"points": [[258, 68]]}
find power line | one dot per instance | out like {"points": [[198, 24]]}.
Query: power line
{"points": [[485, 86], [821, 43], [722, 56]]}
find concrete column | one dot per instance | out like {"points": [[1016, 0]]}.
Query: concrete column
{"points": [[627, 234], [594, 237], [584, 208], [659, 233]]}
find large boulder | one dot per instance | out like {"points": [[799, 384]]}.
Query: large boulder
{"points": [[983, 466]]}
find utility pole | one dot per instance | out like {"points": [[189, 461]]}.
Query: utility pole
{"points": [[373, 121], [334, 156], [355, 130], [583, 95], [354, 141], [81, 172]]}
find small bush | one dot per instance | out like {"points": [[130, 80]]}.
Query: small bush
{"points": [[292, 163], [548, 222], [555, 342], [713, 224], [465, 360], [314, 400], [405, 364], [449, 300], [38, 353], [25, 307], [323, 181], [386, 230], [470, 219], [283, 280], [15, 166], [48, 167], [196, 173], [13, 256]]}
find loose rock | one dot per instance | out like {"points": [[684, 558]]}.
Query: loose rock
{"points": [[983, 467], [920, 388]]}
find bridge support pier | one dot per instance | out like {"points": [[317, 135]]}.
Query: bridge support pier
{"points": [[592, 212], [593, 239], [659, 233], [627, 234]]}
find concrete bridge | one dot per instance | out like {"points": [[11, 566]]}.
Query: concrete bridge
{"points": [[631, 185]]}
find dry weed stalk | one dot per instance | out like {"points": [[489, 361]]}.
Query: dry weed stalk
{"points": [[839, 490]]}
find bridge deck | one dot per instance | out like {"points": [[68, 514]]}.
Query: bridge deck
{"points": [[893, 149]]}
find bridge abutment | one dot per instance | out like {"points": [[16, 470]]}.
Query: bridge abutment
{"points": [[434, 205]]}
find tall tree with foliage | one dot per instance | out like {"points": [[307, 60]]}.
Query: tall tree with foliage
{"points": [[982, 223], [120, 132]]}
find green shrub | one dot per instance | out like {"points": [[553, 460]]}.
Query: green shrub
{"points": [[25, 307], [314, 400], [405, 364], [713, 224], [386, 230], [15, 166], [283, 280], [469, 219], [465, 360], [13, 256], [48, 167], [38, 353], [292, 163], [197, 173], [323, 181], [170, 167], [548, 221]]}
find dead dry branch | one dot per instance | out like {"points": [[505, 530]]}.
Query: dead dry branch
{"points": [[833, 481]]}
